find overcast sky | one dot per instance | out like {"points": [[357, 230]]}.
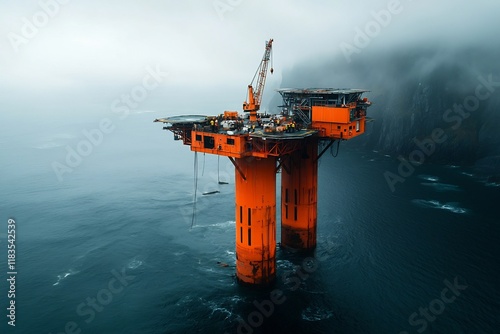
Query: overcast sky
{"points": [[91, 52]]}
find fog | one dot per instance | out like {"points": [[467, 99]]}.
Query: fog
{"points": [[68, 63], [97, 188], [91, 52]]}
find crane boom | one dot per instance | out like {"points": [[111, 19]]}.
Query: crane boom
{"points": [[252, 105]]}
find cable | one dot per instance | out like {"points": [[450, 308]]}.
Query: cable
{"points": [[203, 168], [193, 217], [218, 173], [272, 58], [331, 150], [255, 75]]}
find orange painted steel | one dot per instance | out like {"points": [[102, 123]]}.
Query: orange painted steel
{"points": [[221, 144], [299, 190], [338, 122], [320, 114], [254, 99], [256, 220]]}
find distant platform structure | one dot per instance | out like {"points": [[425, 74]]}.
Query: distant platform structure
{"points": [[336, 113]]}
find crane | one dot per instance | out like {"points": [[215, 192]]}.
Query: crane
{"points": [[258, 154], [252, 104]]}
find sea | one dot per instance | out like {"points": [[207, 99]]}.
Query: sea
{"points": [[114, 235]]}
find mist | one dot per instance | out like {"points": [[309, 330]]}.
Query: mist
{"points": [[68, 62], [114, 233]]}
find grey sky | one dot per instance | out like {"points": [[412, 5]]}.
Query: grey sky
{"points": [[93, 51]]}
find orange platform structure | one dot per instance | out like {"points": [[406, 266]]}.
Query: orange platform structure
{"points": [[299, 185], [260, 146], [256, 220]]}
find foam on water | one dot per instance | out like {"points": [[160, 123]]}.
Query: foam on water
{"points": [[62, 277], [430, 178], [434, 204], [216, 308], [442, 186], [314, 313], [134, 264], [222, 225]]}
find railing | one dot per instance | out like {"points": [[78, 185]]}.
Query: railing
{"points": [[303, 117]]}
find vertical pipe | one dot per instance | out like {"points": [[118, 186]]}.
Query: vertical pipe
{"points": [[299, 185], [256, 220]]}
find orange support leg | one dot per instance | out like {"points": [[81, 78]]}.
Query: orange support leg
{"points": [[256, 220], [299, 185]]}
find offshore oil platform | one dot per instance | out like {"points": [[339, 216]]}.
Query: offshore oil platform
{"points": [[259, 146]]}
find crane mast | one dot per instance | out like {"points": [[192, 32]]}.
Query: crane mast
{"points": [[252, 105]]}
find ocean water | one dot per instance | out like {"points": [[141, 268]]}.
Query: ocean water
{"points": [[111, 247]]}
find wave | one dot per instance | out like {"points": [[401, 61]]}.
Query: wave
{"points": [[184, 300], [316, 314], [429, 177], [219, 307], [492, 184], [284, 265], [442, 186], [62, 277], [219, 225], [216, 308], [433, 204], [134, 264], [53, 141]]}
